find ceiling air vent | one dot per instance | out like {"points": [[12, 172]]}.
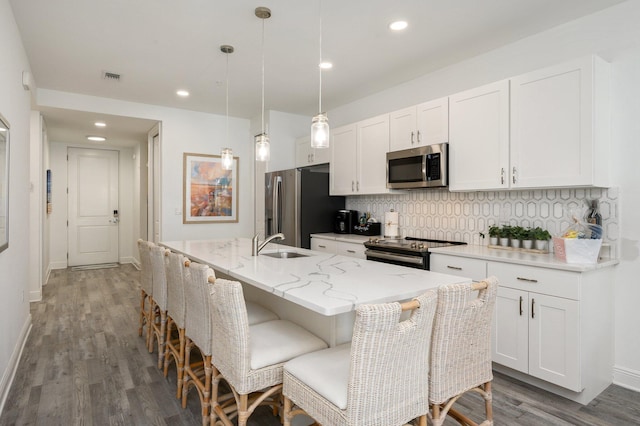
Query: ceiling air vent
{"points": [[112, 76]]}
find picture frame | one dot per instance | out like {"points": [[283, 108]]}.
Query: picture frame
{"points": [[4, 183], [210, 193]]}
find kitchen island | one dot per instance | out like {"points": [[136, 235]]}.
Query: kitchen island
{"points": [[319, 291]]}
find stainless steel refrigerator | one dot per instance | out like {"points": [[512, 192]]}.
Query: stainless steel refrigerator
{"points": [[297, 203]]}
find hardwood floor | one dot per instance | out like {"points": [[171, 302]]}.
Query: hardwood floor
{"points": [[84, 364]]}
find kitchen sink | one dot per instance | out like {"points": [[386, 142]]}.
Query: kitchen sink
{"points": [[285, 254]]}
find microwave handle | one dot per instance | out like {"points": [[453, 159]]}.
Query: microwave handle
{"points": [[424, 168]]}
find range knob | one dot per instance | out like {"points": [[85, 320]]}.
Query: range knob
{"points": [[421, 246], [413, 245], [373, 240]]}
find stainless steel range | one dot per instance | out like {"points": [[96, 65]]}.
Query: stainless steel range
{"points": [[410, 251]]}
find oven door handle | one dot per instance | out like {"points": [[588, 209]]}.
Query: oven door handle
{"points": [[416, 260]]}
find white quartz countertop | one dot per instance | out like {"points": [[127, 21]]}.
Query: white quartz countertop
{"points": [[346, 238], [325, 283], [521, 258]]}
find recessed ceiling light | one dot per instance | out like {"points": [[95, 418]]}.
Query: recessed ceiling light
{"points": [[398, 25], [182, 93], [326, 65], [100, 124], [96, 138]]}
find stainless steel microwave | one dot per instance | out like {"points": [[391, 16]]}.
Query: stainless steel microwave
{"points": [[423, 167]]}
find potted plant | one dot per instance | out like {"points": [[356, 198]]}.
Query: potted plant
{"points": [[527, 238], [542, 238], [505, 233], [494, 234], [516, 236]]}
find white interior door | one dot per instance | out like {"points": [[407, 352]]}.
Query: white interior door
{"points": [[93, 206], [154, 184]]}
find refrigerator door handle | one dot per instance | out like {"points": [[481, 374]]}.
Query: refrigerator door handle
{"points": [[277, 198]]}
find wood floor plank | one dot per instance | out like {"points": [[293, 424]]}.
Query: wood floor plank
{"points": [[84, 364]]}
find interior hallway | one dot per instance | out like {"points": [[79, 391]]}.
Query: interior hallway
{"points": [[84, 364]]}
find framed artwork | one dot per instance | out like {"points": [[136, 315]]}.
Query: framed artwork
{"points": [[210, 193], [48, 191], [4, 183]]}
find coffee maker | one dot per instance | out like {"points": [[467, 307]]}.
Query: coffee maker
{"points": [[344, 221]]}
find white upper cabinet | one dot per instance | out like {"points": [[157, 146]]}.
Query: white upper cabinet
{"points": [[560, 126], [424, 124], [547, 128], [307, 156], [479, 138], [359, 157]]}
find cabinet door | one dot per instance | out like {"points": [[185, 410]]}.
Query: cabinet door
{"points": [[351, 249], [402, 129], [320, 244], [343, 160], [479, 138], [552, 129], [303, 151], [432, 119], [373, 145], [510, 337], [554, 343]]}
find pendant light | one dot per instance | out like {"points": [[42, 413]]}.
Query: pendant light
{"points": [[263, 151], [320, 123], [226, 154]]}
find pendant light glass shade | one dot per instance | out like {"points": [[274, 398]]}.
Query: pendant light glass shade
{"points": [[263, 150], [320, 131], [227, 158], [226, 154]]}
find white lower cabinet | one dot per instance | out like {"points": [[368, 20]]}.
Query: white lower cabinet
{"points": [[344, 248], [554, 326]]}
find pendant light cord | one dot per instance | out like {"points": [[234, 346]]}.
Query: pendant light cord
{"points": [[320, 62], [263, 76], [227, 95]]}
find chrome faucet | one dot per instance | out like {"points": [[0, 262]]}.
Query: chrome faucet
{"points": [[257, 246]]}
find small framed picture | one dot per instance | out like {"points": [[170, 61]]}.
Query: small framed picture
{"points": [[210, 193]]}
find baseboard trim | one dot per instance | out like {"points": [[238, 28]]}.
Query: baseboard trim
{"points": [[627, 378], [12, 368], [35, 296], [58, 265]]}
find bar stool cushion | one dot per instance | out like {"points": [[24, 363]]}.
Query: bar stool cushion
{"points": [[274, 342], [257, 313], [326, 372]]}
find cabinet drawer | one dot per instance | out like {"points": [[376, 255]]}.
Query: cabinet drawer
{"points": [[540, 280], [351, 249], [320, 244], [476, 269]]}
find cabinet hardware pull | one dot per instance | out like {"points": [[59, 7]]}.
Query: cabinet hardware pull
{"points": [[529, 280], [533, 312], [418, 136], [411, 138], [520, 305], [358, 185], [351, 251], [321, 246], [514, 175], [502, 176], [352, 186], [457, 268]]}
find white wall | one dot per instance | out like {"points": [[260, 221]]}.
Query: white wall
{"points": [[614, 34], [15, 106], [182, 131], [36, 214]]}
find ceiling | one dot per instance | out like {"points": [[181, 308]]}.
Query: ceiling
{"points": [[160, 46]]}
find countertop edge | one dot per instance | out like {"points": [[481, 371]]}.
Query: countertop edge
{"points": [[537, 260]]}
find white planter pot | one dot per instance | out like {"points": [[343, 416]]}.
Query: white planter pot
{"points": [[493, 241], [504, 242], [527, 244], [515, 243], [541, 244]]}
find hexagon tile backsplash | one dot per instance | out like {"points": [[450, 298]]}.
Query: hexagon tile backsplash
{"points": [[462, 216]]}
